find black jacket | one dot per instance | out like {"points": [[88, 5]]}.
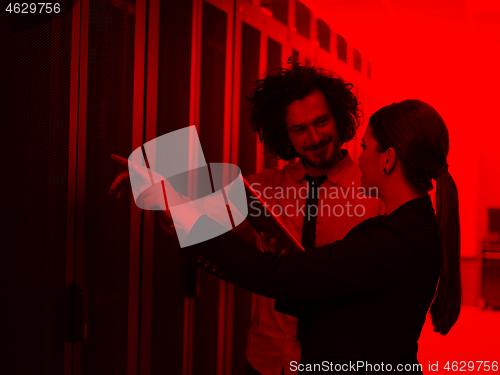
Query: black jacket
{"points": [[363, 298]]}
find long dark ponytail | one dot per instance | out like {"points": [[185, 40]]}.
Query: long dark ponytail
{"points": [[420, 138], [447, 300]]}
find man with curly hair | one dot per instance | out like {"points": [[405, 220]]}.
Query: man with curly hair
{"points": [[305, 113]]}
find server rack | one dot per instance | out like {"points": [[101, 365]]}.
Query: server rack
{"points": [[91, 286]]}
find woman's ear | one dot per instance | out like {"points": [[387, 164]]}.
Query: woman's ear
{"points": [[389, 160]]}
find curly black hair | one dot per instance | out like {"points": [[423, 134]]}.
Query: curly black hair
{"points": [[274, 93]]}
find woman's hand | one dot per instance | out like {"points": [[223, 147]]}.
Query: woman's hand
{"points": [[120, 182], [141, 176], [150, 199], [153, 199], [269, 244], [156, 194]]}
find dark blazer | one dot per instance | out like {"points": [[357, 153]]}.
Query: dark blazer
{"points": [[363, 298]]}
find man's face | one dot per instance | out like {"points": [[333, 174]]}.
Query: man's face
{"points": [[313, 132]]}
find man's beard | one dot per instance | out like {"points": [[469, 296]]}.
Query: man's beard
{"points": [[323, 162], [326, 161]]}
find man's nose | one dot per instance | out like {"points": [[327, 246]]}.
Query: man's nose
{"points": [[314, 135]]}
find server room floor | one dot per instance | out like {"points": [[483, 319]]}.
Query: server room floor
{"points": [[475, 337]]}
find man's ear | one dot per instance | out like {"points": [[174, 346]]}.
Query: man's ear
{"points": [[389, 160]]}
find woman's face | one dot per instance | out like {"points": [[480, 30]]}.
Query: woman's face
{"points": [[370, 162]]}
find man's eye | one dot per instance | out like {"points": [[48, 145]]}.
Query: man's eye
{"points": [[298, 131]]}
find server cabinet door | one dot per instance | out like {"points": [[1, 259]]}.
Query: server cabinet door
{"points": [[212, 316], [106, 235], [172, 280], [249, 65], [36, 255]]}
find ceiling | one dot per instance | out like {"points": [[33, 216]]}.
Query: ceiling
{"points": [[418, 43], [379, 18]]}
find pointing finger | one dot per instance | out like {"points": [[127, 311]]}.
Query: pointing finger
{"points": [[119, 159]]}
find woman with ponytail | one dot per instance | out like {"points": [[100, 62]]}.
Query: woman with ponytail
{"points": [[363, 299], [417, 136]]}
